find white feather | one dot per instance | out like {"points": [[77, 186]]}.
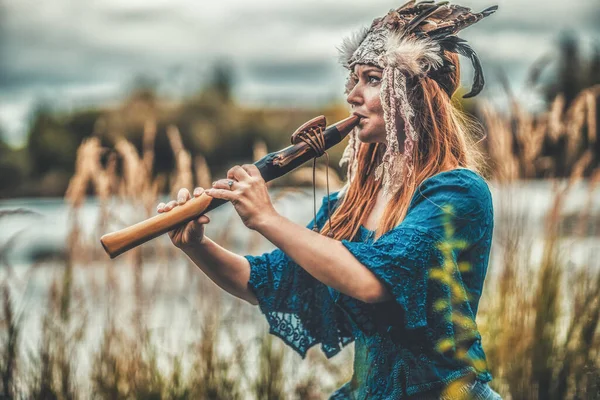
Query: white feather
{"points": [[412, 55]]}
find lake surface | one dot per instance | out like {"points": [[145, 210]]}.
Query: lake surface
{"points": [[176, 294]]}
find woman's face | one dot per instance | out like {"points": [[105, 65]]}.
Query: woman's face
{"points": [[365, 101]]}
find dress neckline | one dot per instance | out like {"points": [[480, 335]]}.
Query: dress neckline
{"points": [[364, 234], [365, 229]]}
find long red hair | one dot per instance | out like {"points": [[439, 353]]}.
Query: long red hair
{"points": [[446, 141]]}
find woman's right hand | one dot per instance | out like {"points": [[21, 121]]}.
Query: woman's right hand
{"points": [[191, 233]]}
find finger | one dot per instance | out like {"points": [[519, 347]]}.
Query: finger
{"points": [[160, 207], [198, 191], [203, 219], [238, 173], [252, 170], [221, 194], [183, 195], [224, 184], [169, 206]]}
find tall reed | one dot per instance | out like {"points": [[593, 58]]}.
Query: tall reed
{"points": [[539, 317], [534, 314]]}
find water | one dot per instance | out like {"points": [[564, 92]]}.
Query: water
{"points": [[176, 293], [177, 296], [45, 230]]}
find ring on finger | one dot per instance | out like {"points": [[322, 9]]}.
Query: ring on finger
{"points": [[230, 184]]}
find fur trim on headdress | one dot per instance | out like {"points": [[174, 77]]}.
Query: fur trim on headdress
{"points": [[411, 55], [349, 46]]}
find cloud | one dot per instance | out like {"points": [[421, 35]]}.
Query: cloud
{"points": [[303, 71], [275, 46]]}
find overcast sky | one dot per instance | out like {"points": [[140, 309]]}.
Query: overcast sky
{"points": [[72, 53]]}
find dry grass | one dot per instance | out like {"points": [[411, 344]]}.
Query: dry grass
{"points": [[539, 321], [545, 145]]}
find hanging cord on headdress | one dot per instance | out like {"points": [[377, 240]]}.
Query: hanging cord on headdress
{"points": [[314, 138]]}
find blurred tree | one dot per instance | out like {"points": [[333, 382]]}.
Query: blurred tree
{"points": [[49, 143], [595, 65], [222, 81], [143, 87], [14, 167], [52, 145], [10, 174], [574, 72]]}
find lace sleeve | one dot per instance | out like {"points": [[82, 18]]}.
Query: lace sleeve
{"points": [[298, 307]]}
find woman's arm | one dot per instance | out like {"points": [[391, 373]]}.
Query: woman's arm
{"points": [[324, 258], [228, 270]]}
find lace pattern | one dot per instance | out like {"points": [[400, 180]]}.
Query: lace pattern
{"points": [[298, 308], [433, 263]]}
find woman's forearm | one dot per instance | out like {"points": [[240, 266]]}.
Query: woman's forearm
{"points": [[228, 270], [324, 258]]}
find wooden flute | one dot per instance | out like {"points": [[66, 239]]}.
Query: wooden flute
{"points": [[310, 140]]}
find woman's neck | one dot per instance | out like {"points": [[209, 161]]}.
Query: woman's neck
{"points": [[374, 217]]}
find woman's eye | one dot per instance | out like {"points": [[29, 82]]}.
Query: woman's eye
{"points": [[374, 79]]}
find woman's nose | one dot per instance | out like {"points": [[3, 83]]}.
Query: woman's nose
{"points": [[354, 97]]}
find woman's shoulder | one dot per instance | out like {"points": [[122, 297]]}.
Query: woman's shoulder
{"points": [[463, 181], [333, 197], [460, 187], [460, 176]]}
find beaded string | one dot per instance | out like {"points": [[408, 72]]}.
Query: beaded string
{"points": [[314, 138]]}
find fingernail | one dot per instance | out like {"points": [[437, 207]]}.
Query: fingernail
{"points": [[180, 200]]}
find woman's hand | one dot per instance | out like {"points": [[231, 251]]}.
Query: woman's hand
{"points": [[248, 194], [191, 233]]}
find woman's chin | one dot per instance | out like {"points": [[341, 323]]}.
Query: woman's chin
{"points": [[366, 137]]}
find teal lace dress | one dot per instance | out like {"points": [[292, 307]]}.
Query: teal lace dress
{"points": [[434, 264]]}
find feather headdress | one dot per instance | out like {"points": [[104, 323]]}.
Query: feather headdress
{"points": [[407, 42]]}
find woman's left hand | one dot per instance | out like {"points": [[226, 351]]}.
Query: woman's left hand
{"points": [[248, 194]]}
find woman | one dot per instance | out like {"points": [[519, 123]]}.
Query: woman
{"points": [[399, 265]]}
